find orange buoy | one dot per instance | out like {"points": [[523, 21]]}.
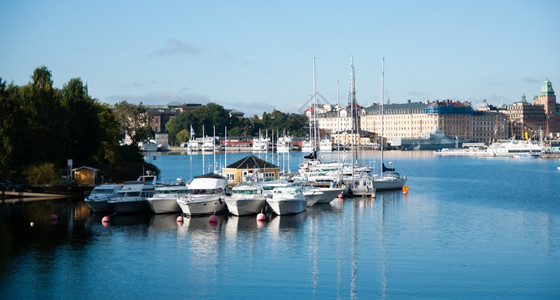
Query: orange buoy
{"points": [[405, 189]]}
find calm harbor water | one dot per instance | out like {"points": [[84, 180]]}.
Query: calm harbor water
{"points": [[470, 228]]}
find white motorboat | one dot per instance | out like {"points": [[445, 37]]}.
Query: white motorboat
{"points": [[165, 198], [511, 148], [312, 195], [287, 200], [132, 198], [321, 195], [98, 199], [148, 146], [206, 194], [363, 185], [325, 145], [260, 144], [284, 144], [246, 199], [307, 147], [269, 186]]}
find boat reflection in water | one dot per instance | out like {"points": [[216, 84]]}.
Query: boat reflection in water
{"points": [[164, 221], [280, 226]]}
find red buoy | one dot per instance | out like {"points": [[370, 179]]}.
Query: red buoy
{"points": [[180, 219], [340, 196], [105, 219], [261, 217], [213, 219]]}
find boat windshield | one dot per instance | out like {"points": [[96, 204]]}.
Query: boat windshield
{"points": [[205, 191], [107, 191], [245, 192]]}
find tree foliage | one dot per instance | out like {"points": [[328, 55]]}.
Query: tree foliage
{"points": [[41, 127], [133, 120], [212, 116]]}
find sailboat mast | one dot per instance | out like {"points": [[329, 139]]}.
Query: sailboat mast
{"points": [[382, 102], [314, 108]]}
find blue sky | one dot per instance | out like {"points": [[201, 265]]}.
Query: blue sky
{"points": [[257, 55]]}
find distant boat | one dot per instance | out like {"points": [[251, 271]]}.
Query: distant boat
{"points": [[148, 146], [325, 145], [283, 144], [432, 141], [511, 148]]}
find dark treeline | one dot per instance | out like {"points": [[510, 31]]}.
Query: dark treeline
{"points": [[41, 127], [215, 116]]}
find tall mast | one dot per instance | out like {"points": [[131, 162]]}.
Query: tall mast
{"points": [[382, 102], [314, 109], [353, 109]]}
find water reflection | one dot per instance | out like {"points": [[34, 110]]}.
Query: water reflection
{"points": [[164, 222]]}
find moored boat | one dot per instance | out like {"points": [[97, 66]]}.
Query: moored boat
{"points": [[287, 200], [98, 199], [132, 198], [246, 199], [206, 194], [165, 198]]}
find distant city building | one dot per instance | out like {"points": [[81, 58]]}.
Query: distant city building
{"points": [[525, 118], [547, 98]]}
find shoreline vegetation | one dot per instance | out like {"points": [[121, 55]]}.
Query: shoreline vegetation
{"points": [[47, 131]]}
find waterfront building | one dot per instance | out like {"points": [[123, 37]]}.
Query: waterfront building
{"points": [[526, 119], [547, 99], [350, 137], [158, 117], [399, 120], [250, 167]]}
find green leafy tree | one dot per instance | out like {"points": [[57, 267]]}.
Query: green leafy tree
{"points": [[83, 126], [133, 120], [183, 136]]}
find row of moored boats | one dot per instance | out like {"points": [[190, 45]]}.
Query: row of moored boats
{"points": [[209, 194]]}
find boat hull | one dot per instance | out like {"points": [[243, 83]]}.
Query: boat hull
{"points": [[130, 205], [388, 184], [329, 194], [98, 205], [243, 207], [287, 206], [164, 205], [201, 207]]}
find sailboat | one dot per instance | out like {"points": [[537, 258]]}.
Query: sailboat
{"points": [[388, 179]]}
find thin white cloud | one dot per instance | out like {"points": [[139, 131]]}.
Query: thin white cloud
{"points": [[175, 47]]}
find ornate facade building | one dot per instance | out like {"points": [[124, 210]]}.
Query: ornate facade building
{"points": [[525, 119], [548, 100]]}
